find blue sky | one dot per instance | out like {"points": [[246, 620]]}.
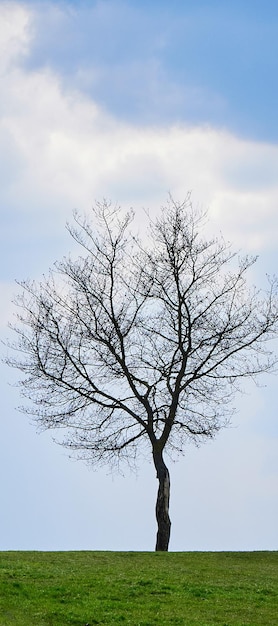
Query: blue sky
{"points": [[196, 62], [130, 100]]}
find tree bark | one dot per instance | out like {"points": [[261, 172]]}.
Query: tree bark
{"points": [[162, 503]]}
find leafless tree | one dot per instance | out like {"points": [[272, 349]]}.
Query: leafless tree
{"points": [[139, 346]]}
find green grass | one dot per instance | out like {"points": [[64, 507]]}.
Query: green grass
{"points": [[141, 589]]}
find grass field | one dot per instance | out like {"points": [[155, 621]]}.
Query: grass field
{"points": [[141, 589]]}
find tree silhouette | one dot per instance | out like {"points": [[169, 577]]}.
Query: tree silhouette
{"points": [[139, 346]]}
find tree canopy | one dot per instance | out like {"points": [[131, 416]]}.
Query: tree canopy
{"points": [[139, 344]]}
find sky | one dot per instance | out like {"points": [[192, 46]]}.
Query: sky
{"points": [[129, 101]]}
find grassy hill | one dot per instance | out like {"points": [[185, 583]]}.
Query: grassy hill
{"points": [[139, 589]]}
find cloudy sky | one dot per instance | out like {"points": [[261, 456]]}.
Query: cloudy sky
{"points": [[129, 100]]}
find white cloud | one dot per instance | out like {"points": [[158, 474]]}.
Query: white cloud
{"points": [[62, 151], [15, 32]]}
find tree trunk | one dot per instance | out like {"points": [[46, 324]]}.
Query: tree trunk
{"points": [[162, 503]]}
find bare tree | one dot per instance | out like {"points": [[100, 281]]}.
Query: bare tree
{"points": [[141, 346]]}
